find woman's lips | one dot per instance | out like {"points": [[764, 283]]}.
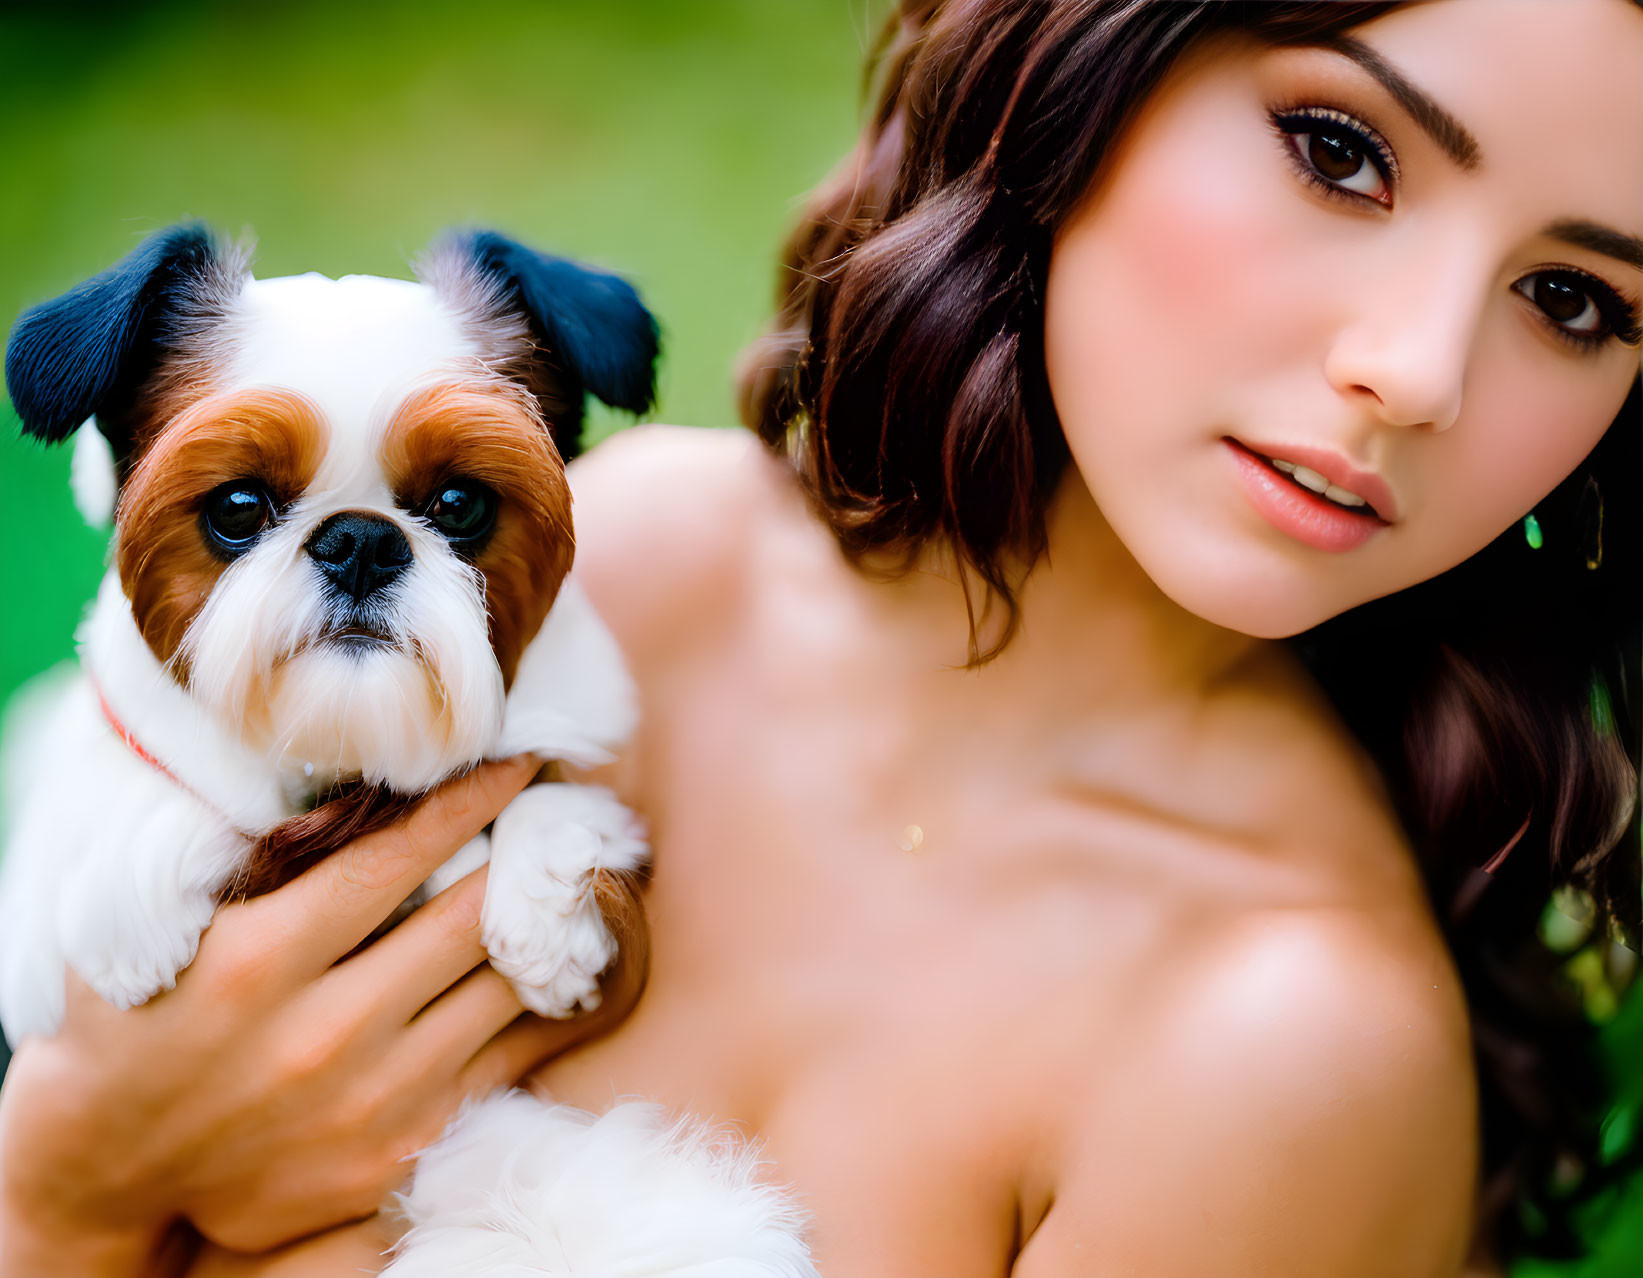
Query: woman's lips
{"points": [[1335, 468], [1299, 512]]}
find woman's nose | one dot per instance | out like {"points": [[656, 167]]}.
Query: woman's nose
{"points": [[1404, 351]]}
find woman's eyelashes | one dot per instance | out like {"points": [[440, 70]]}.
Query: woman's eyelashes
{"points": [[1339, 155], [1580, 308], [1345, 159]]}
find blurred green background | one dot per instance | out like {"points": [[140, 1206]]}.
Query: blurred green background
{"points": [[667, 139]]}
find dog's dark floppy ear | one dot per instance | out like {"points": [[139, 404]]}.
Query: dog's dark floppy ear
{"points": [[591, 326], [87, 351]]}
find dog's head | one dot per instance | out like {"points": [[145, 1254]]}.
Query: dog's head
{"points": [[342, 507]]}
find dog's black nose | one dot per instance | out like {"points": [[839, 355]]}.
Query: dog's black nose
{"points": [[359, 553]]}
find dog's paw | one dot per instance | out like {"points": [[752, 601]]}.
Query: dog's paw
{"points": [[132, 966], [129, 953], [131, 913], [543, 927]]}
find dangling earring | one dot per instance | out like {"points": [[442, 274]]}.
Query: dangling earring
{"points": [[1591, 522], [1531, 531]]}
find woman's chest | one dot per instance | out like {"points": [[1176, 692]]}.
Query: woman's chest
{"points": [[891, 957], [893, 941], [899, 1060]]}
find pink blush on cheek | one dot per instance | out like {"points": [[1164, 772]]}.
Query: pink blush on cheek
{"points": [[1199, 243]]}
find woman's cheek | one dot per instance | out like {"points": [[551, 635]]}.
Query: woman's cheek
{"points": [[1513, 444], [1176, 288]]}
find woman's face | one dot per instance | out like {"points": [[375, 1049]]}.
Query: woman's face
{"points": [[1411, 265]]}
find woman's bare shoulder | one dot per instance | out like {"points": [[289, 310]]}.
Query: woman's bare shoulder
{"points": [[1290, 778], [665, 516], [1300, 1076], [1303, 1102]]}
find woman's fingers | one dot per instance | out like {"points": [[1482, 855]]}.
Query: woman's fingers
{"points": [[513, 1053], [507, 1058], [399, 974], [360, 1248], [336, 904], [450, 1030]]}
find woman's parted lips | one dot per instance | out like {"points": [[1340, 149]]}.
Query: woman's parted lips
{"points": [[1336, 469]]}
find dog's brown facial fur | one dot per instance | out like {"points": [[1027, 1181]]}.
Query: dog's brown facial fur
{"points": [[492, 432], [166, 567]]}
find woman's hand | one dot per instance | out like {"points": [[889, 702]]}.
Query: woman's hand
{"points": [[347, 1251], [276, 1090]]}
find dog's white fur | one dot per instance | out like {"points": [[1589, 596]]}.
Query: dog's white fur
{"points": [[113, 867], [692, 1201], [121, 889]]}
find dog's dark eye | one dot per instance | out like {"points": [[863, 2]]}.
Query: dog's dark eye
{"points": [[235, 513], [462, 510]]}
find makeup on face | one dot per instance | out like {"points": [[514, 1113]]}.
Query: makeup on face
{"points": [[1344, 158], [1406, 260], [1287, 495]]}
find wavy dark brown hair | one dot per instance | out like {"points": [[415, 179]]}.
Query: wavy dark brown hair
{"points": [[903, 377]]}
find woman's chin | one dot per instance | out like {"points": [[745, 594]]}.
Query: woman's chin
{"points": [[1245, 594]]}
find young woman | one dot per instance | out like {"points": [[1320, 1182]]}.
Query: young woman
{"points": [[1038, 909]]}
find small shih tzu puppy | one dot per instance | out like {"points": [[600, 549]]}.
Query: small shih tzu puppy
{"points": [[342, 540]]}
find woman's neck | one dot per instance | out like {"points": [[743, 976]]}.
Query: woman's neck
{"points": [[1094, 629], [1087, 600]]}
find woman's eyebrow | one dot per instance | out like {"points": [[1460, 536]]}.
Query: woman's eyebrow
{"points": [[1449, 133], [1458, 143], [1599, 239]]}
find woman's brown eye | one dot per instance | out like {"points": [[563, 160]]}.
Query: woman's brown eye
{"points": [[1334, 157], [1564, 300], [1339, 154], [1581, 307]]}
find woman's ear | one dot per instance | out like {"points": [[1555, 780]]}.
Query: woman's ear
{"points": [[591, 328], [88, 351]]}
